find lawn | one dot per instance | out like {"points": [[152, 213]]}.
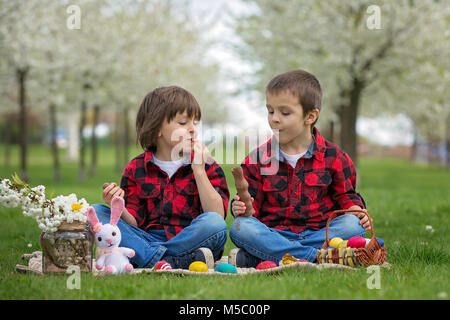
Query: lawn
{"points": [[402, 198]]}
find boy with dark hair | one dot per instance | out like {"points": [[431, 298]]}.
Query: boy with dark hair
{"points": [[176, 195], [314, 178]]}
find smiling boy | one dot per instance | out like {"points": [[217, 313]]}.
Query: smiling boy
{"points": [[314, 178]]}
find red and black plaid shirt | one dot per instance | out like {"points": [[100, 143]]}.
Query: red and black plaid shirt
{"points": [[158, 202], [302, 197]]}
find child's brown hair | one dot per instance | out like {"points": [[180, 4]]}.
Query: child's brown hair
{"points": [[162, 104], [301, 84]]}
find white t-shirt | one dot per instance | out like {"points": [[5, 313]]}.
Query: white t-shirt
{"points": [[292, 159], [170, 167]]}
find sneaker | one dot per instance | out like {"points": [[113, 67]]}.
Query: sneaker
{"points": [[182, 262], [242, 259]]}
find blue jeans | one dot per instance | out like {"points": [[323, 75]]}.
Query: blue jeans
{"points": [[208, 230], [272, 244]]}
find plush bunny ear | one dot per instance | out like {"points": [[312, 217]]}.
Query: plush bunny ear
{"points": [[117, 205], [93, 220]]}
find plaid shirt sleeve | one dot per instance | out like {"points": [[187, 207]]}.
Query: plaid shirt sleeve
{"points": [[132, 191], [253, 177], [219, 182], [342, 188]]}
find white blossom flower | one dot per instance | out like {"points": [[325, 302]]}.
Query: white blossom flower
{"points": [[429, 229], [48, 213]]}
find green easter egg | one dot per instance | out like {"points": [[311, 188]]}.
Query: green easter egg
{"points": [[226, 268]]}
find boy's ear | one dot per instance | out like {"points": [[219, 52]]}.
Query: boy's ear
{"points": [[311, 116]]}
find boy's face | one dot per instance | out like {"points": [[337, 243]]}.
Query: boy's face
{"points": [[285, 115], [179, 132]]}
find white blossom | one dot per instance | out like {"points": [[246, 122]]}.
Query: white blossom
{"points": [[48, 213], [429, 229]]}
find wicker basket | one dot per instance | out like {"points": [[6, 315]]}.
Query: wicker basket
{"points": [[372, 254]]}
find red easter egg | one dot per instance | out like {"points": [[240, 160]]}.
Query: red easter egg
{"points": [[266, 265], [302, 260], [163, 265], [356, 242]]}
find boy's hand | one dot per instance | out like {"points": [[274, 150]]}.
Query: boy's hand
{"points": [[111, 191], [201, 156], [238, 207], [364, 218]]}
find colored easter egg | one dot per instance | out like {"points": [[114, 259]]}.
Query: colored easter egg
{"points": [[330, 248], [356, 242], [335, 241], [266, 265], [342, 244], [226, 268], [163, 265], [380, 241], [302, 260], [198, 266]]}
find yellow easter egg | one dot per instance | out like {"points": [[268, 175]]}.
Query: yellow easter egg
{"points": [[198, 266], [342, 244], [335, 242]]}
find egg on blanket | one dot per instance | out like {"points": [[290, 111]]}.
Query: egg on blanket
{"points": [[163, 265], [335, 242], [266, 265], [356, 242], [198, 266], [226, 268]]}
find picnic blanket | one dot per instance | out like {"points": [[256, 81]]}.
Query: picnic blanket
{"points": [[34, 265]]}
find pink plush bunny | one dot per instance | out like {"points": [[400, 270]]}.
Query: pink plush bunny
{"points": [[107, 237]]}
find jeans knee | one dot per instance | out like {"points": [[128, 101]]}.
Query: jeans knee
{"points": [[103, 212], [243, 227], [215, 221], [352, 227]]}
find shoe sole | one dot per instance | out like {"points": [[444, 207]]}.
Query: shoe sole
{"points": [[232, 256], [209, 257]]}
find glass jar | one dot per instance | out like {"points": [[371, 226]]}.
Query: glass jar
{"points": [[71, 245]]}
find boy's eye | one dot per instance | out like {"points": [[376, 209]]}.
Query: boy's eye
{"points": [[285, 113], [182, 123]]}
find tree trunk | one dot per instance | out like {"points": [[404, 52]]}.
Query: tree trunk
{"points": [[330, 131], [447, 140], [117, 140], [21, 78], [53, 128], [348, 113], [82, 162], [414, 147], [7, 141], [126, 138], [73, 141], [94, 145]]}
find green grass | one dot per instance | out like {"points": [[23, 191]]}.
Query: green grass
{"points": [[402, 199]]}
